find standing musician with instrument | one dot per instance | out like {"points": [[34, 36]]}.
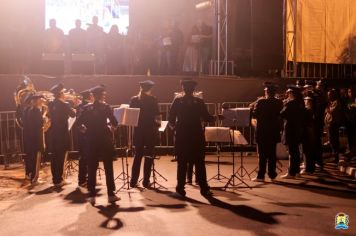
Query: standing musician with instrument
{"points": [[94, 122], [59, 139], [146, 133], [185, 117], [33, 123]]}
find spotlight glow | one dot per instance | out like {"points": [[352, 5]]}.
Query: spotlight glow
{"points": [[109, 12]]}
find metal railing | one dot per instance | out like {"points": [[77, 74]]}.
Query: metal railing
{"points": [[11, 139]]}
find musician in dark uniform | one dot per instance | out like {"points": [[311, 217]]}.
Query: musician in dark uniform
{"points": [[83, 146], [33, 136], [59, 112], [146, 133], [186, 116], [293, 114], [267, 113], [94, 121]]}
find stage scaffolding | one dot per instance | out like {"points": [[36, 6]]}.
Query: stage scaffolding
{"points": [[294, 64]]}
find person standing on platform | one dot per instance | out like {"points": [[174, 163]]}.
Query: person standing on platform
{"points": [[146, 133], [33, 136], [176, 49], [96, 44], [185, 117], [83, 144], [59, 139], [94, 121], [77, 38], [115, 51], [53, 38], [267, 113], [293, 114]]}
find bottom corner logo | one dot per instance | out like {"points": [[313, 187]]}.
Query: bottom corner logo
{"points": [[341, 221]]}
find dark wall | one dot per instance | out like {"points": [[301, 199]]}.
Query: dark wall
{"points": [[122, 88], [256, 35]]}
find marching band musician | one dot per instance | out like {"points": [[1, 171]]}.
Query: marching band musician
{"points": [[186, 116], [94, 122], [266, 111], [33, 136], [146, 133], [87, 97], [59, 139], [293, 114]]}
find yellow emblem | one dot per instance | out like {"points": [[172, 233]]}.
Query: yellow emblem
{"points": [[341, 221]]}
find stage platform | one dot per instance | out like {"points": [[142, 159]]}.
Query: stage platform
{"points": [[122, 87]]}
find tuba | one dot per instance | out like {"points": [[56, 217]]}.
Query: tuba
{"points": [[25, 89]]}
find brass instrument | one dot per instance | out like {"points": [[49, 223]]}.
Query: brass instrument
{"points": [[22, 91]]}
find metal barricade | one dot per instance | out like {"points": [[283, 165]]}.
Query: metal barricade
{"points": [[11, 137], [11, 140]]}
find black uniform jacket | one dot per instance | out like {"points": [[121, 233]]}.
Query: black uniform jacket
{"points": [[186, 115], [267, 113], [58, 133], [95, 118], [146, 132], [32, 130], [293, 114]]}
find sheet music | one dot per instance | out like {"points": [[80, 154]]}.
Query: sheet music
{"points": [[127, 116], [163, 127], [71, 121], [217, 134]]}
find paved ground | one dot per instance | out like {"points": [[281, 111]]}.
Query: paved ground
{"points": [[306, 206]]}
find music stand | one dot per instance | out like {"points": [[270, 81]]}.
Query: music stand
{"points": [[231, 120], [155, 173], [126, 116], [217, 135]]}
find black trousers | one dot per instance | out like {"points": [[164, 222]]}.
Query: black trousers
{"points": [[267, 154], [200, 169], [57, 165], [319, 148], [83, 169], [93, 165], [84, 153], [294, 159], [136, 166], [310, 157], [31, 164], [334, 140], [190, 171]]}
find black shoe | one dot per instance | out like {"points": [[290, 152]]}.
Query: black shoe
{"points": [[206, 193], [181, 192], [133, 185], [146, 185]]}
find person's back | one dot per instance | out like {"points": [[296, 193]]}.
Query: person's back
{"points": [[77, 40], [54, 39], [267, 113], [148, 109]]}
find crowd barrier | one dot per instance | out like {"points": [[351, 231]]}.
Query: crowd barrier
{"points": [[12, 140]]}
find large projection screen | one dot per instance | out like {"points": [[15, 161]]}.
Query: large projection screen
{"points": [[109, 12], [326, 31]]}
